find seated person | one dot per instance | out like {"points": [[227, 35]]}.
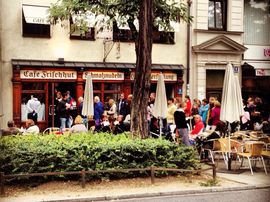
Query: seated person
{"points": [[198, 127], [206, 143], [105, 124], [119, 126], [154, 128], [79, 125], [11, 129], [31, 128]]}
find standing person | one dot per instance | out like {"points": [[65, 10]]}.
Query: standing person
{"points": [[122, 106], [98, 112], [211, 105], [112, 110], [181, 123], [80, 107], [188, 106], [62, 109], [32, 107], [170, 113], [215, 114], [204, 111], [73, 105]]}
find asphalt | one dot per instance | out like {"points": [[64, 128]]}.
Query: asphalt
{"points": [[240, 180]]}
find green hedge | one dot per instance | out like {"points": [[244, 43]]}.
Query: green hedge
{"points": [[32, 153]]}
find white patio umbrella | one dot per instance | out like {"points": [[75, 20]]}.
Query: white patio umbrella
{"points": [[88, 103], [160, 106], [231, 104]]}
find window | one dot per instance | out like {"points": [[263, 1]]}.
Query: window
{"points": [[78, 34], [217, 15], [125, 35], [35, 22], [257, 22]]}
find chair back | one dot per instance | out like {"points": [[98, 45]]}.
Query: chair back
{"points": [[216, 145], [224, 144], [256, 149]]}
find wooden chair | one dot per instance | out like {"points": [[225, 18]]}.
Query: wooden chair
{"points": [[254, 153]]}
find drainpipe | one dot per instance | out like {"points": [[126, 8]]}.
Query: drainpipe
{"points": [[189, 2]]}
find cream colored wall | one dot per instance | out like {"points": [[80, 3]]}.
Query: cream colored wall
{"points": [[199, 67], [14, 46]]}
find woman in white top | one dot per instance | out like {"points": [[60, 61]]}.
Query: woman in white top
{"points": [[31, 128], [112, 112]]}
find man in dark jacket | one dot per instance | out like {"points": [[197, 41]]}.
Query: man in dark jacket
{"points": [[62, 109], [122, 106]]}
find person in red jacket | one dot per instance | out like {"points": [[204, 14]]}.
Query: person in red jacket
{"points": [[198, 127], [188, 106]]}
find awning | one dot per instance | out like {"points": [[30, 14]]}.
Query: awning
{"points": [[90, 65], [260, 65], [36, 14]]}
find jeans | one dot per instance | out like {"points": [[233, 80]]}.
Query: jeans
{"points": [[183, 132], [65, 123]]}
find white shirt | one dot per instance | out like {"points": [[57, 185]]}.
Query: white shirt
{"points": [[31, 130], [33, 105]]}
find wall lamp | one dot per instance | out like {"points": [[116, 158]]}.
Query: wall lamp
{"points": [[61, 61]]}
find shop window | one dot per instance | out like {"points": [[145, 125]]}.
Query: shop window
{"points": [[35, 22], [33, 91], [217, 15], [39, 105]]}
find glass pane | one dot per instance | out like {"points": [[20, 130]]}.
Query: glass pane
{"points": [[211, 15], [33, 86], [33, 105], [219, 15], [112, 86], [97, 86], [113, 96]]}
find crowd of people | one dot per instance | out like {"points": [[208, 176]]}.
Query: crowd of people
{"points": [[186, 118]]}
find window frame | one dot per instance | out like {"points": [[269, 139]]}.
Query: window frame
{"points": [[224, 15], [30, 27]]}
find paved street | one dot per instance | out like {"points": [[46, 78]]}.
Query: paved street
{"points": [[256, 195]]}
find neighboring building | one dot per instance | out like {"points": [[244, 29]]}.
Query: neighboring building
{"points": [[38, 58], [256, 64], [217, 38]]}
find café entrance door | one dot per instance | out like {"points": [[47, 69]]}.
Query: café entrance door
{"points": [[53, 88]]}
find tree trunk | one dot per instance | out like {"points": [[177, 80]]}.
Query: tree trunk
{"points": [[143, 46]]}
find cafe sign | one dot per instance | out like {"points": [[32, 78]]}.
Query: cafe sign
{"points": [[154, 76], [47, 74], [119, 76]]}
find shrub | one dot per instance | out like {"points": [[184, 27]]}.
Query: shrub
{"points": [[50, 153]]}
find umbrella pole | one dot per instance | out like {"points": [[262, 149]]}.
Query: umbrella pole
{"points": [[160, 127], [229, 147]]}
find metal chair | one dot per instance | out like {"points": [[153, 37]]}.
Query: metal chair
{"points": [[51, 130], [254, 153]]}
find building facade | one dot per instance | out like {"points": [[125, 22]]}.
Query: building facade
{"points": [[256, 60], [217, 38], [38, 59]]}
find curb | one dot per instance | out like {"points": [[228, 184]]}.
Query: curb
{"points": [[174, 193]]}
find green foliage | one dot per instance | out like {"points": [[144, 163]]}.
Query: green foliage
{"points": [[210, 183], [124, 11], [50, 153]]}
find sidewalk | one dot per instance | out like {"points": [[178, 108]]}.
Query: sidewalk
{"points": [[142, 187]]}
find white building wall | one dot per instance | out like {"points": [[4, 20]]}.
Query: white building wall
{"points": [[14, 46], [200, 34]]}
